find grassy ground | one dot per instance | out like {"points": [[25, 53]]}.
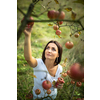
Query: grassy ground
{"points": [[41, 34]]}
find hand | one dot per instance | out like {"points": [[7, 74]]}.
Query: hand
{"points": [[60, 86], [28, 30]]}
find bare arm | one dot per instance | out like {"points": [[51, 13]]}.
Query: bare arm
{"points": [[27, 48]]}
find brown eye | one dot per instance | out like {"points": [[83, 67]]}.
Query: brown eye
{"points": [[53, 49]]}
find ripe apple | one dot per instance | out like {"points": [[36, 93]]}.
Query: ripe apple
{"points": [[64, 74], [60, 80], [69, 44], [29, 23], [29, 96], [58, 32], [37, 91], [78, 84], [68, 72], [61, 22], [59, 15], [46, 84], [51, 14], [76, 71], [72, 82], [76, 35], [55, 27], [49, 91]]}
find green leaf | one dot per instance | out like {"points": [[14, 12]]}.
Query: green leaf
{"points": [[79, 1]]}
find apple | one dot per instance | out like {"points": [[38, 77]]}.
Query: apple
{"points": [[72, 82], [37, 91], [46, 84], [69, 44], [49, 91], [64, 74], [68, 72], [60, 80], [29, 96], [58, 32], [78, 84], [55, 27], [61, 22], [51, 14], [77, 71], [59, 15], [76, 35], [29, 23]]}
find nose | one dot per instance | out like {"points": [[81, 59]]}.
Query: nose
{"points": [[49, 50]]}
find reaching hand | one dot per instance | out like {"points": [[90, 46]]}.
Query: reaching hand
{"points": [[28, 30]]}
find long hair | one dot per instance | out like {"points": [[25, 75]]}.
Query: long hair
{"points": [[57, 60]]}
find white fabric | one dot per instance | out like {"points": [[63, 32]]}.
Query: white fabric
{"points": [[40, 72]]}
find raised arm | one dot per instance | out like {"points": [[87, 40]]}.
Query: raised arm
{"points": [[27, 47]]}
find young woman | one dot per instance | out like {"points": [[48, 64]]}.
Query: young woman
{"points": [[47, 68]]}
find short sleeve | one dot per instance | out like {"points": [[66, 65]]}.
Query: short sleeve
{"points": [[38, 63]]}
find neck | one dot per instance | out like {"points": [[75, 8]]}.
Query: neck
{"points": [[49, 63]]}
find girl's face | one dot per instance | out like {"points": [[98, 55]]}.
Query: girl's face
{"points": [[51, 51]]}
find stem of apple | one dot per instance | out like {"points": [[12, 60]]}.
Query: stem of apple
{"points": [[73, 91]]}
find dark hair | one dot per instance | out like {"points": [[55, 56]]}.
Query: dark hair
{"points": [[57, 61]]}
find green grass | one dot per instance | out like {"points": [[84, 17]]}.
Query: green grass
{"points": [[41, 34]]}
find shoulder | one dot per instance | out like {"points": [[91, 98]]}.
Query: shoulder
{"points": [[60, 67]]}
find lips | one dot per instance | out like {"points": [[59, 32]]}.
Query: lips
{"points": [[48, 54]]}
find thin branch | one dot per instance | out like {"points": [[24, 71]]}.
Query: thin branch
{"points": [[20, 10]]}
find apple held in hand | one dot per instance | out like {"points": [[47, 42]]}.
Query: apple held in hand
{"points": [[46, 84], [58, 32], [37, 91], [29, 23], [69, 44], [60, 80]]}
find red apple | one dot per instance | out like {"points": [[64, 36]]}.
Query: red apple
{"points": [[29, 23], [58, 32], [29, 96], [60, 80], [61, 22], [46, 84], [77, 71], [55, 27], [59, 15], [69, 44], [72, 82], [49, 91], [37, 91], [68, 72], [51, 14], [64, 74], [78, 84]]}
